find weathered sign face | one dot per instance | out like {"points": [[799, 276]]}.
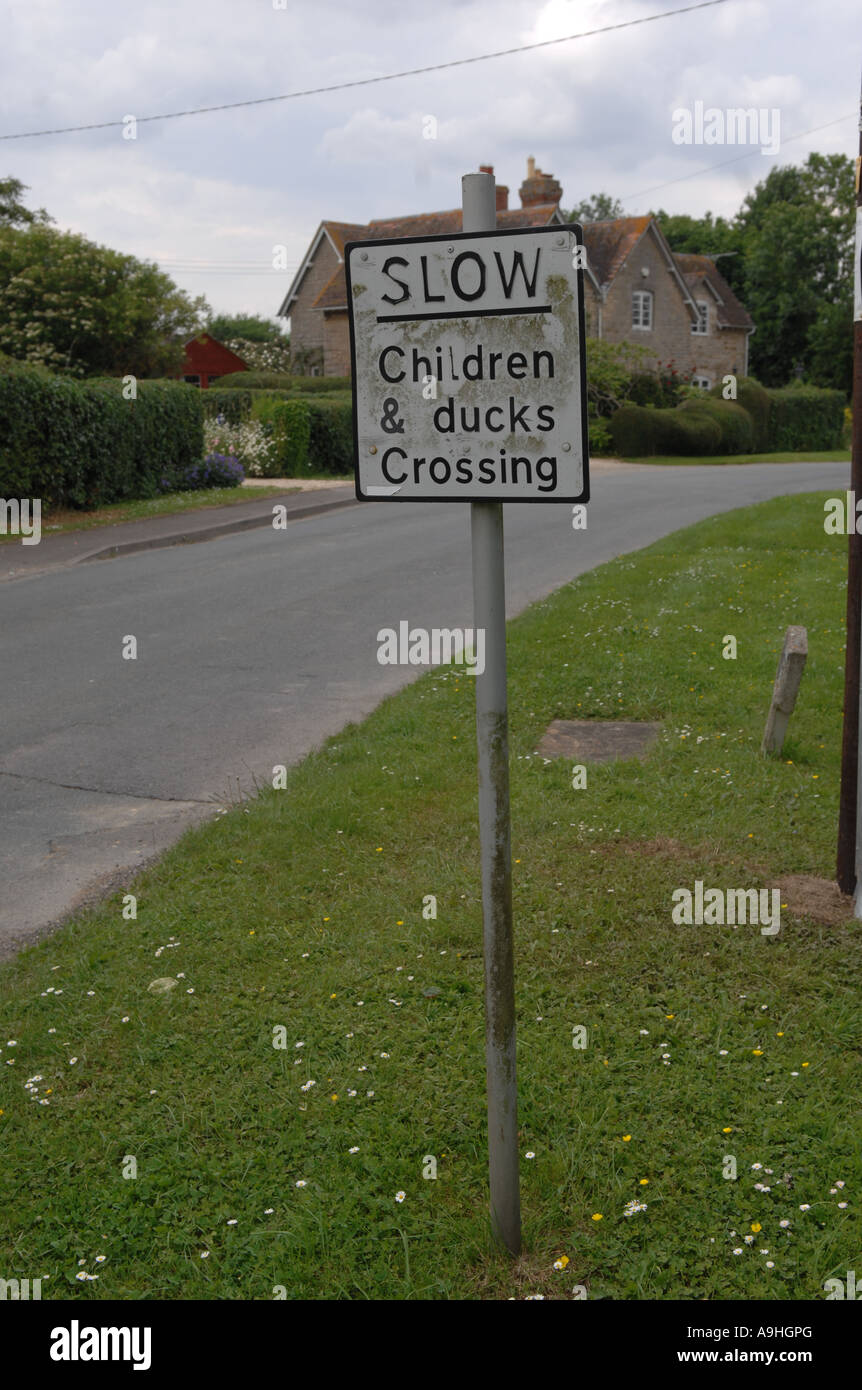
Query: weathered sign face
{"points": [[467, 355]]}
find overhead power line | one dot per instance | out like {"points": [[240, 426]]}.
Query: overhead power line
{"points": [[734, 159], [370, 81]]}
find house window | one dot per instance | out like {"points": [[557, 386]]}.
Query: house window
{"points": [[702, 325], [702, 381], [192, 380], [642, 309]]}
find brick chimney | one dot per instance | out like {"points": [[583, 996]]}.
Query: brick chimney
{"points": [[501, 189], [538, 188]]}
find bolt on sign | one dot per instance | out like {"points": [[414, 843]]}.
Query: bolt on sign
{"points": [[468, 363]]}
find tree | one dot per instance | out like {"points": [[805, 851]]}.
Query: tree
{"points": [[85, 309], [251, 328], [797, 232], [599, 207], [788, 255], [13, 212], [706, 236]]}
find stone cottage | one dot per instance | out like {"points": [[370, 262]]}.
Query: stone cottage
{"points": [[679, 307]]}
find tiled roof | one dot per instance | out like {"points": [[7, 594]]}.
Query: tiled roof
{"points": [[609, 243], [341, 232], [697, 270], [439, 223], [334, 293]]}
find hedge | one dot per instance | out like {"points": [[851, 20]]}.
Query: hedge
{"points": [[235, 406], [790, 419], [330, 445], [755, 399], [81, 444], [283, 381], [805, 417], [735, 423], [637, 430]]}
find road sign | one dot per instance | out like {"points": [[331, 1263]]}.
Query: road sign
{"points": [[468, 364]]}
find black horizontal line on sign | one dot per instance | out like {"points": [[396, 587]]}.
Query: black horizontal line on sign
{"points": [[464, 314]]}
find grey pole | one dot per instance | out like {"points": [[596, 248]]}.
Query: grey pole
{"points": [[492, 737]]}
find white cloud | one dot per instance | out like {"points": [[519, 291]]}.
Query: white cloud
{"points": [[223, 188]]}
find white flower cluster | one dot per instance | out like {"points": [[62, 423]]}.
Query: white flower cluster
{"points": [[273, 356], [246, 442]]}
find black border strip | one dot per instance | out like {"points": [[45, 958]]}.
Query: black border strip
{"points": [[463, 314], [554, 229]]}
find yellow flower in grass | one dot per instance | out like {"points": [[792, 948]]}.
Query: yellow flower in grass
{"points": [[755, 1226], [597, 1216], [626, 1138], [561, 1262]]}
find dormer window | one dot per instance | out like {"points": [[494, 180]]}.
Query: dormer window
{"points": [[642, 309], [702, 325]]}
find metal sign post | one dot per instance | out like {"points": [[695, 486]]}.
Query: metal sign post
{"points": [[849, 860], [492, 737], [467, 358]]}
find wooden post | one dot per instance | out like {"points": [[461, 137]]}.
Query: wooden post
{"points": [[847, 807], [791, 664]]}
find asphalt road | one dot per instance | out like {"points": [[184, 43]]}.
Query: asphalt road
{"points": [[252, 649]]}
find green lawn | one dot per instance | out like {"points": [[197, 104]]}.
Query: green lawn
{"points": [[170, 504], [827, 456], [304, 1147]]}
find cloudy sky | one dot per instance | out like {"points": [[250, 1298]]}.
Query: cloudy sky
{"points": [[209, 196]]}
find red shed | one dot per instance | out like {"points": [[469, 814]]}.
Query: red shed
{"points": [[207, 360]]}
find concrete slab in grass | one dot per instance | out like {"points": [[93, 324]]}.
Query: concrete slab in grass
{"points": [[598, 740]]}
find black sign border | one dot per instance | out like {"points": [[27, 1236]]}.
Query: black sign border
{"points": [[554, 229]]}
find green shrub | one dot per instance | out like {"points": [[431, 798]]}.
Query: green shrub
{"points": [[599, 436], [648, 388], [330, 445], [234, 405], [638, 431], [81, 444], [755, 399], [292, 428], [735, 423], [805, 417]]}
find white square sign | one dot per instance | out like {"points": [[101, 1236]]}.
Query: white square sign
{"points": [[467, 355]]}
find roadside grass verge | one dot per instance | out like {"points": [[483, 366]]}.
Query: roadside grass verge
{"points": [[170, 504], [304, 910], [822, 456]]}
